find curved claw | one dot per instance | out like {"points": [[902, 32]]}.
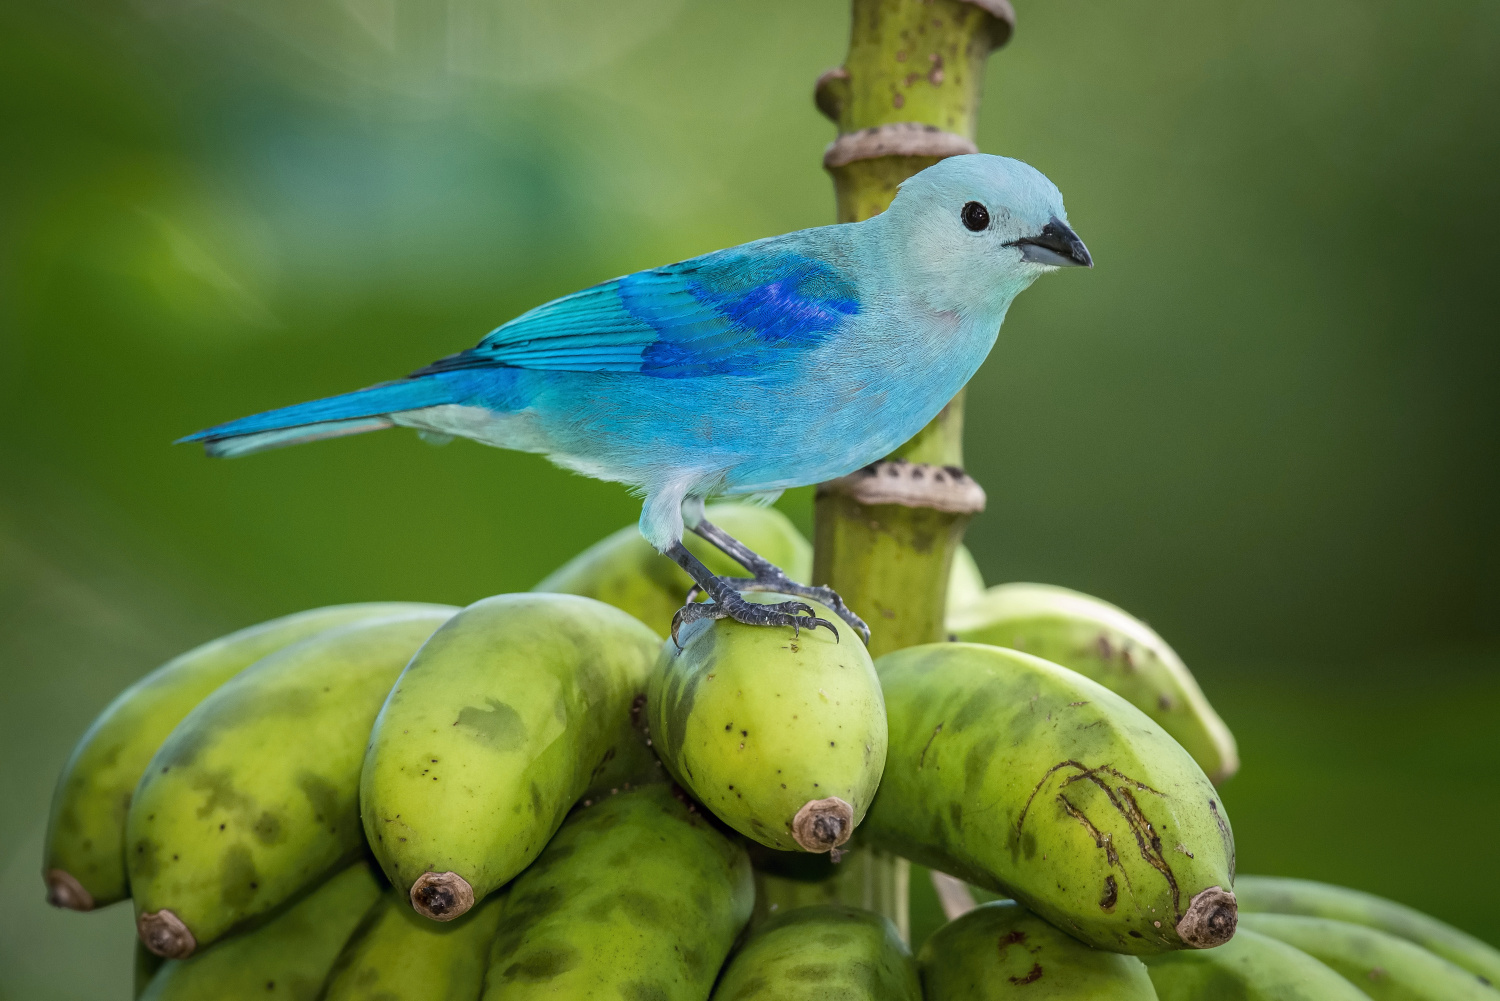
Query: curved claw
{"points": [[797, 614], [784, 585]]}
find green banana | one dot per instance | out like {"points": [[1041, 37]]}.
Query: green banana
{"points": [[1277, 895], [781, 735], [1251, 967], [84, 861], [286, 957], [1385, 967], [1104, 643], [505, 718], [398, 955], [623, 570], [965, 582], [816, 953], [1001, 950], [1028, 779], [636, 897], [145, 966], [255, 795]]}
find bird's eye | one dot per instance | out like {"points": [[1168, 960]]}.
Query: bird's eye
{"points": [[975, 216]]}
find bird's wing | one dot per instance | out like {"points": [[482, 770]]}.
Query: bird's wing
{"points": [[733, 312]]}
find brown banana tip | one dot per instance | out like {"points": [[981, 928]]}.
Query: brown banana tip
{"points": [[1210, 920], [164, 934], [823, 824], [441, 896], [65, 891]]}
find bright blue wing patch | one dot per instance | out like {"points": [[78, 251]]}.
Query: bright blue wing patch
{"points": [[728, 313]]}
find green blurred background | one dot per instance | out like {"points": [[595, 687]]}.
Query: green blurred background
{"points": [[1267, 421]]}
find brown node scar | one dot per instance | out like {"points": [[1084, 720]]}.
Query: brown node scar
{"points": [[164, 934], [1211, 918], [441, 896], [65, 891], [823, 824]]}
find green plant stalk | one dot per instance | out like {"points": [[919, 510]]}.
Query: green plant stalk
{"points": [[907, 96]]}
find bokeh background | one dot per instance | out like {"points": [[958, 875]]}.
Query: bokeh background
{"points": [[1267, 421]]}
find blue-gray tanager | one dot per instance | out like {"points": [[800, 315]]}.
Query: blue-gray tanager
{"points": [[779, 363]]}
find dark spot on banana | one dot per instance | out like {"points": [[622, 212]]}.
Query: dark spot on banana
{"points": [[1111, 894], [1032, 975], [638, 991], [543, 964], [643, 907], [749, 989], [238, 880], [144, 863], [812, 972], [267, 829], [222, 795], [499, 726], [977, 761], [327, 804]]}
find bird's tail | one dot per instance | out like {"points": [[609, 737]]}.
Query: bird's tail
{"points": [[331, 417]]}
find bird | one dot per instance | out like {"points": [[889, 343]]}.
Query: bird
{"points": [[774, 364]]}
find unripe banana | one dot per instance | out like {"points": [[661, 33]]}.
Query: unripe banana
{"points": [[398, 955], [623, 570], [781, 735], [287, 957], [1252, 967], [636, 897], [84, 861], [1276, 895], [965, 582], [1385, 967], [255, 795], [498, 726], [1028, 779], [818, 953], [1001, 950], [1107, 644], [145, 966]]}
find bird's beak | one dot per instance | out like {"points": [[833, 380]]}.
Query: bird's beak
{"points": [[1056, 245]]}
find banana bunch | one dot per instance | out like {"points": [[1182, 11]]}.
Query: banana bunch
{"points": [[536, 796]]}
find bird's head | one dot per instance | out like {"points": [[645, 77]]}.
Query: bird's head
{"points": [[978, 229]]}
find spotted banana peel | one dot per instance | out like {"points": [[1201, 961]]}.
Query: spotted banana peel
{"points": [[1026, 778]]}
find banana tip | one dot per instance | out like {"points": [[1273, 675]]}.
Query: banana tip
{"points": [[1211, 918], [65, 891], [441, 896], [164, 934], [823, 824]]}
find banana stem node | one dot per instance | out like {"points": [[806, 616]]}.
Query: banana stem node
{"points": [[823, 824], [1210, 919], [910, 484], [65, 891], [441, 896], [164, 934], [895, 139]]}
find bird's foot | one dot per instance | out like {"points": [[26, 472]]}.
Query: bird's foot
{"points": [[773, 579], [730, 604]]}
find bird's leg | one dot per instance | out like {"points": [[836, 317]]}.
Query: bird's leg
{"points": [[767, 576], [728, 603]]}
